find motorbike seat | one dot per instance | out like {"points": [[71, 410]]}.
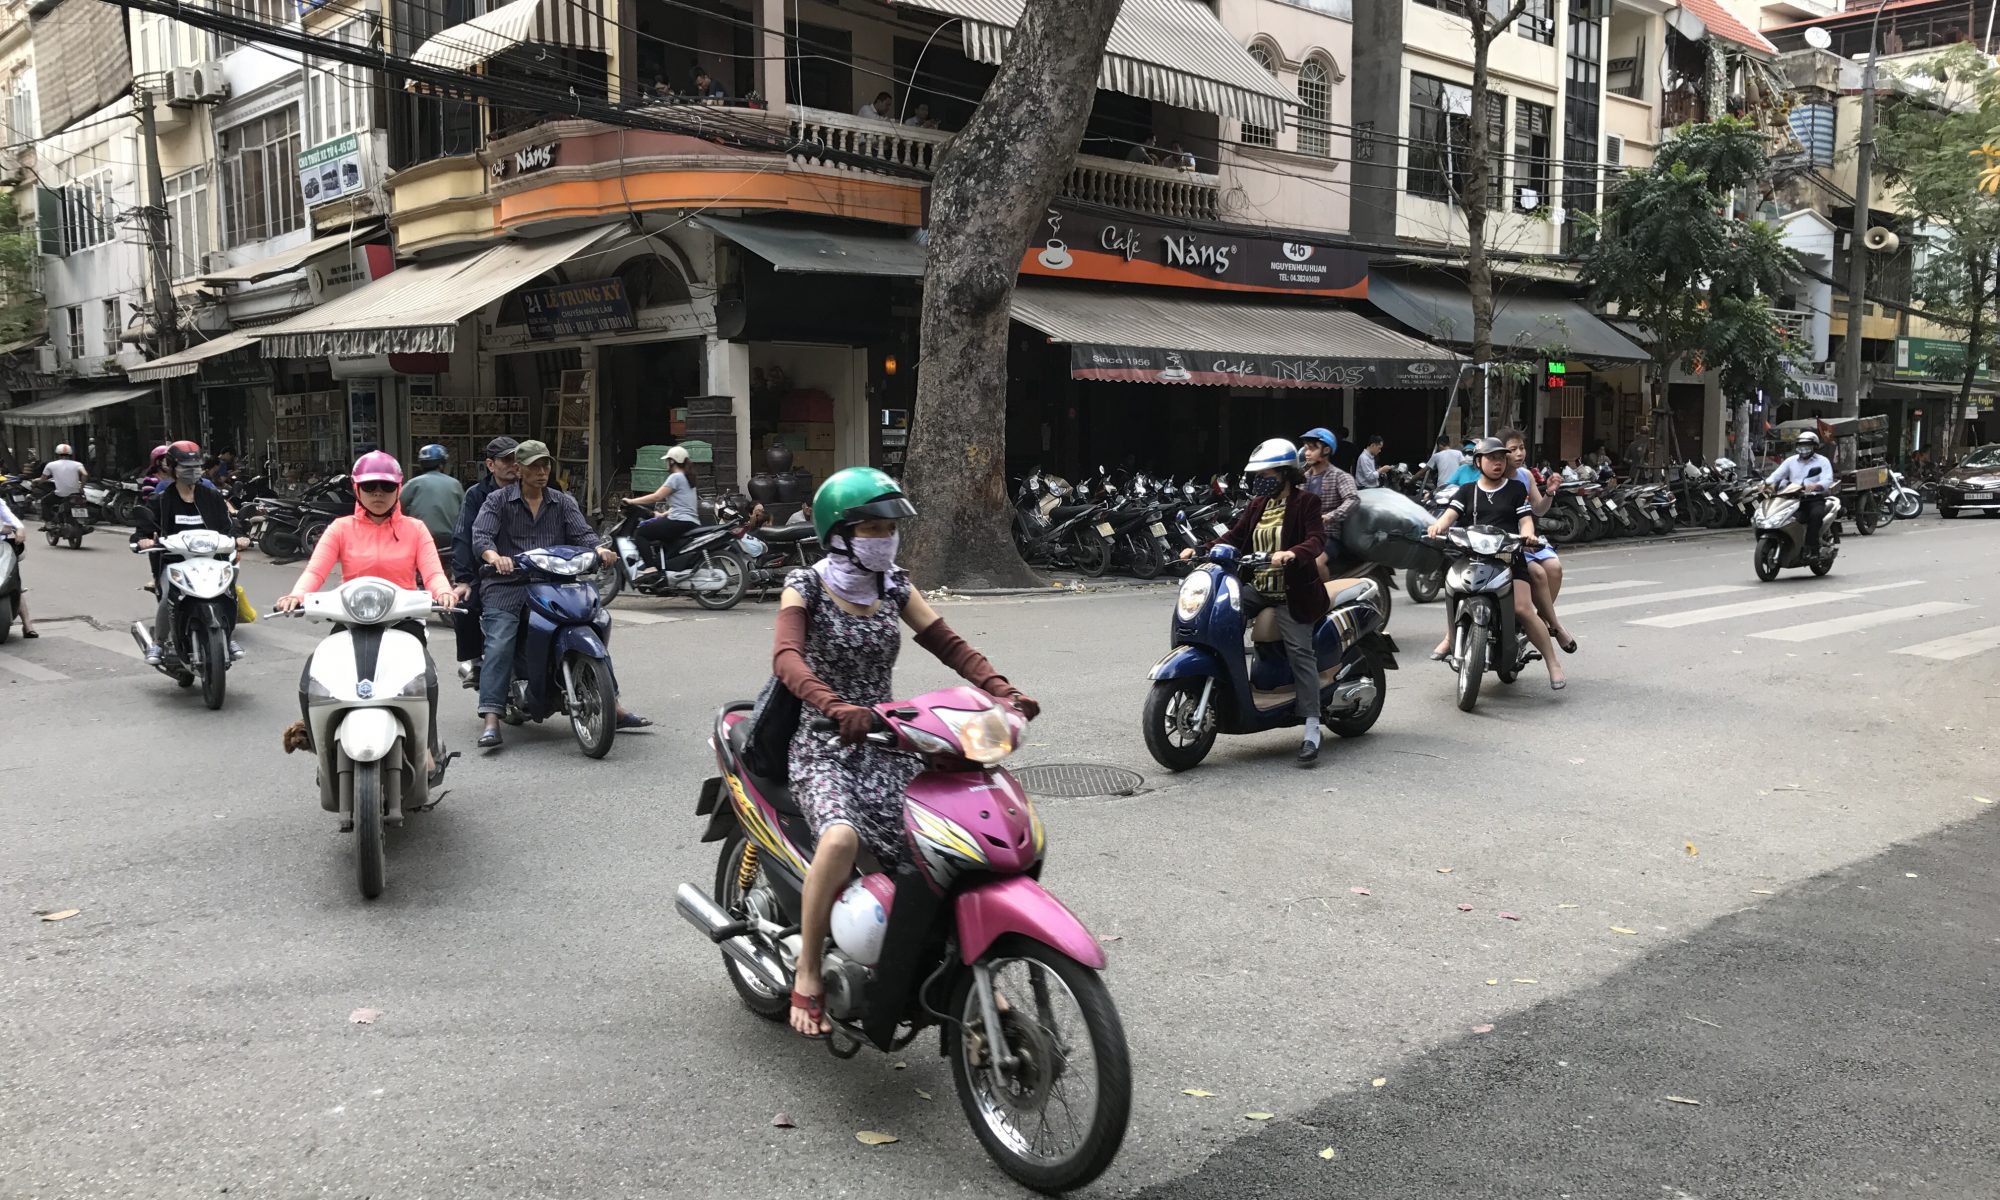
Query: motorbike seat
{"points": [[1063, 512], [779, 795], [780, 535], [1350, 591]]}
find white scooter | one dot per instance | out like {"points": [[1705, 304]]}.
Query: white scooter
{"points": [[366, 706], [201, 593]]}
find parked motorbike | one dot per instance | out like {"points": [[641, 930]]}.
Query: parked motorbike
{"points": [[962, 937], [1781, 534], [1053, 527], [1906, 500], [201, 598], [365, 697], [1206, 686], [1479, 594], [793, 544], [10, 588], [711, 563], [561, 664], [288, 529]]}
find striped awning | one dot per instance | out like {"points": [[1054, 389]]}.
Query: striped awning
{"points": [[188, 361], [68, 409], [1172, 51], [476, 42]]}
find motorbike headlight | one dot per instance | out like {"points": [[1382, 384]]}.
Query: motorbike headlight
{"points": [[203, 542], [177, 576], [544, 561], [368, 602], [1485, 541], [1195, 591], [983, 736]]}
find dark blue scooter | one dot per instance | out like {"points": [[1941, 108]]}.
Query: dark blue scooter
{"points": [[1206, 685], [561, 663]]}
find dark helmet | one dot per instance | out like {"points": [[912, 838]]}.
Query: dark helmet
{"points": [[179, 457], [432, 455], [1486, 446]]}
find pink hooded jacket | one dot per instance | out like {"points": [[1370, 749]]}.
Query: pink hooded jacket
{"points": [[399, 550]]}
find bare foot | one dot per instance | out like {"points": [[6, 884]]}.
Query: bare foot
{"points": [[807, 1021]]}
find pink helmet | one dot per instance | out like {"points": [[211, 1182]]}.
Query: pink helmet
{"points": [[377, 465], [159, 452]]}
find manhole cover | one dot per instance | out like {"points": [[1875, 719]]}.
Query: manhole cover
{"points": [[1078, 780]]}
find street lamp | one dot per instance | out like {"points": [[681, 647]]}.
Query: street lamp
{"points": [[1857, 249]]}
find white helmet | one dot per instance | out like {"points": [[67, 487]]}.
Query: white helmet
{"points": [[63, 450], [1725, 464], [1808, 442], [861, 917], [1271, 454], [675, 454]]}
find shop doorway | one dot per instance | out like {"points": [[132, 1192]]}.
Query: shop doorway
{"points": [[642, 401]]}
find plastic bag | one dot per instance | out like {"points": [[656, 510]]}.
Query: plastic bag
{"points": [[246, 612], [1388, 527]]}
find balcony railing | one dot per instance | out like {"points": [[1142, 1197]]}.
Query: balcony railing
{"points": [[1797, 324]]}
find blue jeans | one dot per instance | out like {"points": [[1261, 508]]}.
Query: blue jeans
{"points": [[502, 629]]}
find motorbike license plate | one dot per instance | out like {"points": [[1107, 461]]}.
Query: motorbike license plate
{"points": [[1104, 527], [79, 511], [1159, 530], [1221, 530]]}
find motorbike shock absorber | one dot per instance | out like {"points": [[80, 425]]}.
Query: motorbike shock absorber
{"points": [[746, 870]]}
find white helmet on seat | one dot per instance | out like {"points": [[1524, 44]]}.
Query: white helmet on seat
{"points": [[1272, 454]]}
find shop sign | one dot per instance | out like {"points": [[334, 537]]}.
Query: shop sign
{"points": [[526, 161], [331, 171], [364, 417], [1815, 387], [1139, 364], [566, 310], [232, 370], [1931, 358], [1074, 245]]}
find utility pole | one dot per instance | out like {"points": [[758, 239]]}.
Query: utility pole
{"points": [[1857, 250], [166, 323]]}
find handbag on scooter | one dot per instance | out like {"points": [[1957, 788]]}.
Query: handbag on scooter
{"points": [[773, 721]]}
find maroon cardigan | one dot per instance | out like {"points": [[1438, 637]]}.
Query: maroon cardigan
{"points": [[1304, 535]]}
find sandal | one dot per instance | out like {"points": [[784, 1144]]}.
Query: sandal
{"points": [[815, 1008], [31, 633], [632, 720], [489, 739]]}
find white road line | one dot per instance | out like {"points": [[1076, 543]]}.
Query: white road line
{"points": [[118, 641], [1589, 606], [34, 672], [1886, 587], [1579, 589], [1958, 645], [631, 616], [1814, 630], [1748, 608]]}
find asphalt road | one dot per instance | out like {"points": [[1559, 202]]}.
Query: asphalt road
{"points": [[1731, 764]]}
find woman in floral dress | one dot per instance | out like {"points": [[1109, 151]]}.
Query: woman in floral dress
{"points": [[835, 648]]}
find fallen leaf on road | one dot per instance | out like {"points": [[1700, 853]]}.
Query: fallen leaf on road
{"points": [[1465, 908], [926, 1095], [1622, 929], [364, 1016], [1691, 851], [1683, 1100], [1482, 1029], [1575, 762], [1360, 891], [1197, 1093], [1378, 1082], [1492, 983], [1329, 1153], [1444, 870], [1909, 874], [1569, 906], [1112, 937], [901, 1066], [1507, 916], [1982, 799], [1527, 981], [1257, 1116], [869, 1137], [64, 915], [1762, 892], [781, 1121]]}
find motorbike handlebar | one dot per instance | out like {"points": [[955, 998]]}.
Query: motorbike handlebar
{"points": [[881, 735]]}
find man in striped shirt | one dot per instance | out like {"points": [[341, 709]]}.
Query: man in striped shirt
{"points": [[1334, 487]]}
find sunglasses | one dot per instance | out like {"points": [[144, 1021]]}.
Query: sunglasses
{"points": [[376, 487]]}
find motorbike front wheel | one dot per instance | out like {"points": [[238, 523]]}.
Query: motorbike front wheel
{"points": [[6, 618], [1171, 736], [214, 667], [610, 582], [1089, 553], [1909, 504], [1472, 641], [1143, 557], [369, 867], [736, 581], [1423, 586], [593, 708], [1769, 555], [1055, 1118]]}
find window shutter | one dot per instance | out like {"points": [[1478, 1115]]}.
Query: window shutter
{"points": [[1614, 151], [49, 222]]}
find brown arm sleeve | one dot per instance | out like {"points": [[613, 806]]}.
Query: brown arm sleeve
{"points": [[952, 650], [788, 663]]}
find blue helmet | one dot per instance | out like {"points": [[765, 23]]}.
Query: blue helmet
{"points": [[1321, 434], [433, 453]]}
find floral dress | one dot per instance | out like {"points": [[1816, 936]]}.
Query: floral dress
{"points": [[836, 783]]}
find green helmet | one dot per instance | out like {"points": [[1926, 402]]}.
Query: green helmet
{"points": [[857, 494]]}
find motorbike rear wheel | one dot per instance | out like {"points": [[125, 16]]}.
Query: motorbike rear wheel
{"points": [[76, 541], [369, 865], [1089, 553], [736, 573], [1471, 662], [593, 708], [1064, 1033], [214, 666], [770, 1005], [1168, 722], [1142, 557], [6, 618], [1768, 557], [611, 581], [1355, 724]]}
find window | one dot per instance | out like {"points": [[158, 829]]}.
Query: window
{"points": [[267, 12], [1537, 22], [337, 93], [1315, 108], [1441, 140], [114, 326], [74, 316], [84, 212], [161, 44], [1259, 135], [21, 109], [1581, 118], [187, 221], [260, 179], [1532, 123]]}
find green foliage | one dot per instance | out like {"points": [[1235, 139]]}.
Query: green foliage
{"points": [[1666, 255], [22, 311]]}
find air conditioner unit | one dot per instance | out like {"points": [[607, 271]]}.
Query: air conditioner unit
{"points": [[46, 361], [1614, 150], [214, 261], [209, 86], [180, 87]]}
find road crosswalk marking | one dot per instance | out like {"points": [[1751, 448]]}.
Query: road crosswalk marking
{"points": [[1884, 587], [1958, 645], [1579, 589], [633, 616], [1749, 608], [33, 672], [117, 641], [1814, 630], [1589, 606]]}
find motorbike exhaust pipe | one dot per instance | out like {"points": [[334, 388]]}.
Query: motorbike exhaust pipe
{"points": [[142, 635], [704, 914]]}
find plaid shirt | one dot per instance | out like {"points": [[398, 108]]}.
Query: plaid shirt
{"points": [[1337, 497]]}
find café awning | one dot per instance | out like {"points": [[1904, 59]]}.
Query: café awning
{"points": [[416, 309], [1173, 51], [1161, 339], [188, 361], [70, 408], [812, 251], [291, 260], [473, 43], [1521, 321]]}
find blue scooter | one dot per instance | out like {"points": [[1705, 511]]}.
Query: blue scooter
{"points": [[561, 664], [1206, 684]]}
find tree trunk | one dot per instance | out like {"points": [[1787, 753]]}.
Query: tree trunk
{"points": [[992, 187], [1978, 267], [1478, 271]]}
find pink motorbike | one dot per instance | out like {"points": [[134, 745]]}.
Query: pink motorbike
{"points": [[962, 936]]}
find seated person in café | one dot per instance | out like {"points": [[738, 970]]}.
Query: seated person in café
{"points": [[1178, 158], [1147, 152], [705, 88], [922, 118], [881, 108]]}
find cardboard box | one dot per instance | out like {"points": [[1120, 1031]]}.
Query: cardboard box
{"points": [[820, 438]]}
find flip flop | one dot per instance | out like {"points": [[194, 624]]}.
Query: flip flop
{"points": [[634, 721], [31, 633], [489, 739], [815, 1007], [1557, 685]]}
